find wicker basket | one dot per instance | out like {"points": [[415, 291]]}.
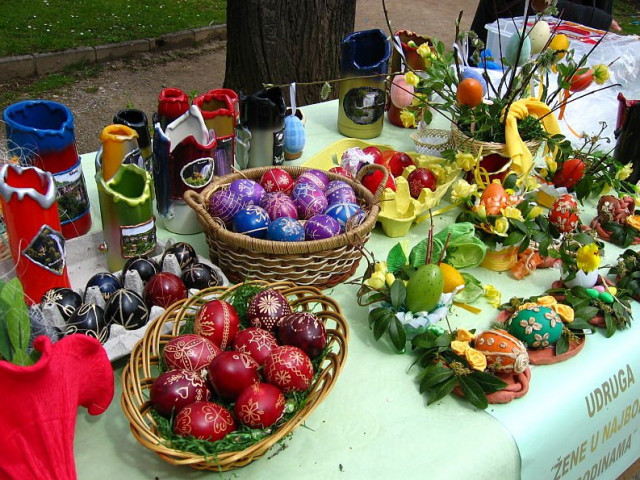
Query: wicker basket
{"points": [[321, 263], [432, 141], [463, 142], [142, 368]]}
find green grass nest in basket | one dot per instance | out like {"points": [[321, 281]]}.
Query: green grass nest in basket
{"points": [[245, 445]]}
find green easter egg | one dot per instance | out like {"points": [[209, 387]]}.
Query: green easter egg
{"points": [[424, 288], [592, 293], [537, 326], [606, 297], [512, 50]]}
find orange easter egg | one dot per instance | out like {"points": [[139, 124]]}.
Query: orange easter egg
{"points": [[504, 352], [494, 198]]}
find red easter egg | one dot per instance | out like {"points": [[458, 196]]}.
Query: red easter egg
{"points": [[419, 179], [341, 171], [289, 369], [189, 352], [580, 81], [204, 420], [373, 179], [277, 180], [231, 372], [303, 330], [376, 153], [398, 162], [255, 342], [266, 308], [260, 405], [176, 389], [570, 173], [164, 289], [217, 321], [504, 352], [564, 213]]}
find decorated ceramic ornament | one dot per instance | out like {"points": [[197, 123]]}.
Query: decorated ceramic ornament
{"points": [[126, 308], [278, 204], [200, 275], [251, 220], [294, 137], [107, 283], [205, 421], [511, 52], [146, 268], [277, 180], [285, 229], [342, 212], [65, 300], [539, 36], [340, 191], [164, 289], [317, 177], [250, 191], [260, 405], [322, 226], [255, 342], [504, 352], [289, 369], [537, 326], [218, 322], [266, 308], [189, 352], [184, 253], [494, 198], [231, 372], [303, 330], [89, 320], [176, 389], [309, 199], [224, 204], [564, 213]]}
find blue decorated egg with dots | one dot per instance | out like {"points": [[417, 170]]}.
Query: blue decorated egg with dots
{"points": [[251, 220], [320, 227], [294, 136], [285, 229], [342, 212], [250, 191]]}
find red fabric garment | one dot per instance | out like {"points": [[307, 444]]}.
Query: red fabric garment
{"points": [[39, 403]]}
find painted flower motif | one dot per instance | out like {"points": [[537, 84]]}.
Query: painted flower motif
{"points": [[588, 257], [624, 172], [269, 304], [411, 79], [462, 190], [512, 212], [541, 340], [460, 347], [250, 412], [530, 325], [476, 359], [493, 295], [466, 161], [566, 312]]}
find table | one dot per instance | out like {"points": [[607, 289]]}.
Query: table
{"points": [[375, 424]]}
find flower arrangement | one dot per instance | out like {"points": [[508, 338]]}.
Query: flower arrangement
{"points": [[627, 272]]}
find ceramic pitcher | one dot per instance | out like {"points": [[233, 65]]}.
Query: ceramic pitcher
{"points": [[627, 135]]}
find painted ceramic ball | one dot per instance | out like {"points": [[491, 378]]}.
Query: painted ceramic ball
{"points": [[200, 275], [146, 267], [218, 322], [504, 352], [231, 372], [303, 330], [320, 227], [89, 320], [176, 389], [164, 289], [316, 177], [564, 213], [250, 191], [537, 326], [260, 405], [289, 369], [340, 191], [224, 204], [189, 352], [294, 135], [278, 204], [184, 253], [285, 229], [205, 421], [106, 282], [276, 180], [255, 342], [342, 212], [64, 299], [266, 308], [251, 220], [126, 308], [309, 199]]}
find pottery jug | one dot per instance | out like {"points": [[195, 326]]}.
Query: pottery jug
{"points": [[137, 120], [627, 135], [172, 103], [119, 147]]}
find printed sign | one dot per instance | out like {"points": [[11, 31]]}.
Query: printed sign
{"points": [[73, 199], [47, 250], [364, 105], [138, 239]]}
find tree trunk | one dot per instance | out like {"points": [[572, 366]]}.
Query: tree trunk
{"points": [[285, 41]]}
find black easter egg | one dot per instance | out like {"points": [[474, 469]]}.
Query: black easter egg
{"points": [[126, 308], [106, 282], [64, 299], [200, 275], [89, 320], [185, 254], [145, 267]]}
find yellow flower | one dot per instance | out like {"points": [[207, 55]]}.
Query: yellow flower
{"points": [[463, 335], [624, 172], [634, 221], [601, 73], [424, 50], [481, 211], [552, 165], [612, 290], [476, 359], [411, 79], [547, 301], [459, 347], [512, 212], [530, 183], [534, 212], [389, 278], [380, 267], [376, 281], [493, 295], [501, 226], [407, 118], [466, 161], [565, 312], [588, 257], [461, 190]]}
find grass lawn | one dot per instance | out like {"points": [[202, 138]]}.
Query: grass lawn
{"points": [[627, 14], [31, 26]]}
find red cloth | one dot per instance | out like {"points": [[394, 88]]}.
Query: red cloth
{"points": [[38, 406]]}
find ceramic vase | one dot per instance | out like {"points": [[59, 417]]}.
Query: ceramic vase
{"points": [[172, 103], [137, 120], [364, 62], [28, 197], [119, 147], [40, 133], [627, 135]]}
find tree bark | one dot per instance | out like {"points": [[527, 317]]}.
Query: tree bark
{"points": [[285, 41]]}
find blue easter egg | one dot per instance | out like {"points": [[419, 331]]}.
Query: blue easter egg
{"points": [[342, 212], [469, 72], [251, 220], [250, 191], [285, 229], [308, 199], [294, 135]]}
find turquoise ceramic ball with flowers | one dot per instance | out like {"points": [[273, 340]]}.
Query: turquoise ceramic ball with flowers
{"points": [[537, 326]]}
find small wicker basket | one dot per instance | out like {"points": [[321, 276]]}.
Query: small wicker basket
{"points": [[138, 375], [432, 141], [321, 263], [463, 142]]}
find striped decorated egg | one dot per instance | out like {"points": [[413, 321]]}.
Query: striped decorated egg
{"points": [[316, 177], [504, 352], [294, 135]]}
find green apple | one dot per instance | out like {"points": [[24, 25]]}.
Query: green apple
{"points": [[424, 288]]}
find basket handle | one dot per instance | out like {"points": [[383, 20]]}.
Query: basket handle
{"points": [[194, 200], [370, 168]]}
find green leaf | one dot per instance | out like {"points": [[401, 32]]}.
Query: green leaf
{"points": [[562, 345], [398, 335], [5, 343], [433, 375], [473, 392], [519, 225], [375, 314], [472, 290], [587, 312], [488, 382], [442, 390], [17, 315], [382, 324], [398, 293], [20, 357], [418, 253], [396, 259], [611, 325], [513, 238], [525, 244]]}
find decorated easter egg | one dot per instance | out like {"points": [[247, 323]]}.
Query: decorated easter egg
{"points": [[126, 308], [564, 213], [189, 352], [342, 212], [400, 92], [106, 282], [294, 135], [321, 226], [255, 342], [315, 176], [224, 204], [218, 322], [200, 275], [289, 369], [260, 405], [494, 198], [308, 199], [469, 72], [251, 220], [504, 352], [285, 229], [278, 204], [419, 179], [303, 330], [164, 289], [205, 421], [146, 267], [231, 372], [88, 319], [341, 171], [513, 45], [176, 389], [250, 191], [537, 326], [539, 36], [340, 191], [184, 253], [65, 300], [266, 308], [277, 180]]}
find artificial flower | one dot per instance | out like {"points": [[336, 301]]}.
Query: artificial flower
{"points": [[552, 165], [493, 295], [407, 118], [424, 50], [389, 278], [481, 211], [634, 221], [601, 73], [466, 161], [588, 257], [463, 335], [461, 190], [512, 212], [380, 267], [411, 79], [376, 281], [531, 183], [547, 301], [566, 312], [501, 226], [459, 347], [624, 172], [476, 359], [534, 212]]}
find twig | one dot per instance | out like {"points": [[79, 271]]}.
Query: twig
{"points": [[443, 252]]}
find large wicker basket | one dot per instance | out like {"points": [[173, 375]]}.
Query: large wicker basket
{"points": [[142, 368], [321, 263], [463, 142]]}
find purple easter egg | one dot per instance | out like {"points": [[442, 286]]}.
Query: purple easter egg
{"points": [[278, 204], [251, 220], [342, 212], [224, 204], [321, 226], [317, 177], [340, 191], [285, 229], [308, 199], [250, 191]]}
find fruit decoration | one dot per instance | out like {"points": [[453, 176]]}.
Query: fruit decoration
{"points": [[164, 289], [175, 389], [205, 421], [189, 352], [218, 322]]}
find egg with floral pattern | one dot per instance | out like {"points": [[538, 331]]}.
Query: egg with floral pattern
{"points": [[276, 180], [343, 212], [175, 389], [218, 322], [285, 229], [537, 326], [340, 191], [255, 342], [504, 352], [266, 308], [564, 213], [289, 369], [189, 352], [231, 372], [260, 405], [309, 199], [205, 421], [317, 177], [224, 204], [321, 226], [278, 204], [250, 191], [252, 221]]}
